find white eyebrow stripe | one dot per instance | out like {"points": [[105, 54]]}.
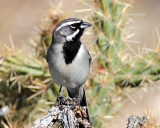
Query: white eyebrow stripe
{"points": [[70, 37], [68, 23]]}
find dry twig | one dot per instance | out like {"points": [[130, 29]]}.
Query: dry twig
{"points": [[136, 122]]}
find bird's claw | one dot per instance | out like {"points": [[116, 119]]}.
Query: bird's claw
{"points": [[58, 99], [78, 102], [58, 96]]}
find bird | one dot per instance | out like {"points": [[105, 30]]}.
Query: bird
{"points": [[69, 60]]}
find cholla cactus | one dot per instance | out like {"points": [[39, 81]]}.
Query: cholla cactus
{"points": [[109, 21]]}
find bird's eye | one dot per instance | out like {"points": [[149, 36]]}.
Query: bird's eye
{"points": [[73, 26]]}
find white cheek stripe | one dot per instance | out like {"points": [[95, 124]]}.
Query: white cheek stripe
{"points": [[70, 37], [68, 23]]}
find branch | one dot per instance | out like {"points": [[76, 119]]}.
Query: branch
{"points": [[136, 122], [67, 114]]}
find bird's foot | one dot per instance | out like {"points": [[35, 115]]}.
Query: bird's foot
{"points": [[59, 97], [58, 101], [78, 102]]}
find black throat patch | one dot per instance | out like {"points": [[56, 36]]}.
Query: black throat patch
{"points": [[70, 50]]}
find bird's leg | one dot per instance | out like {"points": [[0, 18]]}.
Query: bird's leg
{"points": [[78, 99], [58, 96]]}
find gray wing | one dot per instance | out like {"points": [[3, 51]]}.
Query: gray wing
{"points": [[90, 59]]}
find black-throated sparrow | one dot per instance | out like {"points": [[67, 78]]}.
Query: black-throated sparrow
{"points": [[68, 58]]}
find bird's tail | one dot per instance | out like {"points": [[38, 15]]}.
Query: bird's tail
{"points": [[83, 100], [84, 103]]}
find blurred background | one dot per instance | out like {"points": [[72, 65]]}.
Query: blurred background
{"points": [[19, 19]]}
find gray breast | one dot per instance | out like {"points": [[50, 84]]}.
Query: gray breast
{"points": [[71, 75]]}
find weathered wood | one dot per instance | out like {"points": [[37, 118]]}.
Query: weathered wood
{"points": [[67, 113], [136, 122]]}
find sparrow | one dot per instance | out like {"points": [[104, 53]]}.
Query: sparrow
{"points": [[68, 58]]}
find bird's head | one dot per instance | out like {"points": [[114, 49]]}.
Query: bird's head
{"points": [[69, 30]]}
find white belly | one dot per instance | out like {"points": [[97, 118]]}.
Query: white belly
{"points": [[69, 75]]}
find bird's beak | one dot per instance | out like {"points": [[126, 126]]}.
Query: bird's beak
{"points": [[85, 25]]}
